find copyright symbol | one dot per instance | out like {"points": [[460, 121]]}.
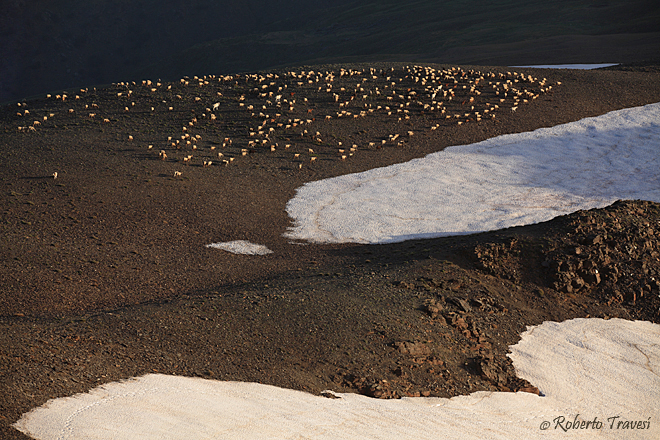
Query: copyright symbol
{"points": [[545, 425]]}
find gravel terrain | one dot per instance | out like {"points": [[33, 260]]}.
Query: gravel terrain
{"points": [[104, 273]]}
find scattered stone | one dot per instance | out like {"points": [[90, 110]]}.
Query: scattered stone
{"points": [[433, 309], [461, 303], [532, 390], [403, 284], [611, 254], [413, 348]]}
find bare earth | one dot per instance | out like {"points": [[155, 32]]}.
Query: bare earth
{"points": [[104, 273]]}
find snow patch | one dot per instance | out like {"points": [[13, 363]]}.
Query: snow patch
{"points": [[569, 66], [505, 181], [241, 247], [588, 369]]}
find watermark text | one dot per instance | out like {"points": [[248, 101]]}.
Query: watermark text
{"points": [[578, 423]]}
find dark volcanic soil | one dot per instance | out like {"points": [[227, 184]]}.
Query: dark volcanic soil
{"points": [[104, 274]]}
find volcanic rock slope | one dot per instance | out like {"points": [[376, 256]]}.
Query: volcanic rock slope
{"points": [[105, 272]]}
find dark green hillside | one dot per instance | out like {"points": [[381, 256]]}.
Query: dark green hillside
{"points": [[465, 32], [46, 46]]}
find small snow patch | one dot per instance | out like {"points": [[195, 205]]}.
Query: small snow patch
{"points": [[569, 66], [241, 247]]}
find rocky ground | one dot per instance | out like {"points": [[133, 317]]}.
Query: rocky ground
{"points": [[104, 274]]}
